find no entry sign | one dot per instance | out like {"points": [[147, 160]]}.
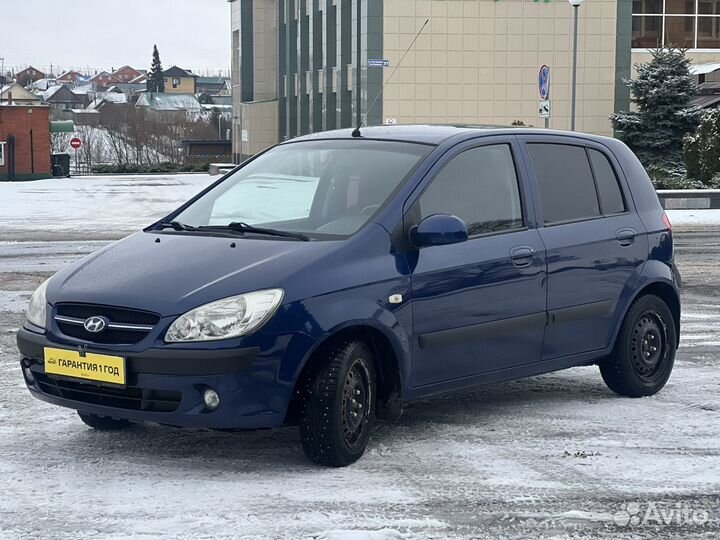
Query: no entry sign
{"points": [[76, 143]]}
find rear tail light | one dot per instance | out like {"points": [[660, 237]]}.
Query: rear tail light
{"points": [[666, 221]]}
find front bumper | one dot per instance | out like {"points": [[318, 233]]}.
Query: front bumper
{"points": [[166, 385]]}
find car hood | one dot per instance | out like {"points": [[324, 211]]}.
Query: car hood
{"points": [[172, 273]]}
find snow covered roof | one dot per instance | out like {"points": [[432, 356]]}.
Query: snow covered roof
{"points": [[139, 79], [82, 90], [43, 84], [19, 93], [50, 92], [704, 69], [169, 102]]}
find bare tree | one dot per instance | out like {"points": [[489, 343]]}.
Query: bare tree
{"points": [[60, 142]]}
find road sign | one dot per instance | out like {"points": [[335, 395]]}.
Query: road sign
{"points": [[76, 143], [544, 109], [544, 83], [378, 62]]}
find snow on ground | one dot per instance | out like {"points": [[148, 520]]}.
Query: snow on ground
{"points": [[89, 205], [557, 456], [694, 217]]}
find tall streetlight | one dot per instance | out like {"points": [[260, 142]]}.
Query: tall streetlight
{"points": [[576, 5]]}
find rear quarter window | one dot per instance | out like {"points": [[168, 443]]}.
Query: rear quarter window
{"points": [[611, 198], [565, 181]]}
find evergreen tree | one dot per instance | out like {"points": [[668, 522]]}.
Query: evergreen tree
{"points": [[156, 79], [662, 92]]}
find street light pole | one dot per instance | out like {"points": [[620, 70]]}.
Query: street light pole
{"points": [[576, 8]]}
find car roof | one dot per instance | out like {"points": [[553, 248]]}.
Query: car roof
{"points": [[436, 134]]}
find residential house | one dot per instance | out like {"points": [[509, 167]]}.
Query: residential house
{"points": [[42, 85], [131, 90], [169, 102], [62, 98], [126, 74], [69, 77], [14, 94], [180, 81], [102, 81], [140, 79], [214, 86], [29, 76]]}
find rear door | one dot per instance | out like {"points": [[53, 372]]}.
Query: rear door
{"points": [[478, 306], [594, 240]]}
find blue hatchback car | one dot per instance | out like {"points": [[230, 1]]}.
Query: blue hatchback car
{"points": [[336, 276]]}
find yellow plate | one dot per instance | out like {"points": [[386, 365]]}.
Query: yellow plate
{"points": [[91, 367]]}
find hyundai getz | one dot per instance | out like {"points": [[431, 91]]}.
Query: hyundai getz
{"points": [[334, 277]]}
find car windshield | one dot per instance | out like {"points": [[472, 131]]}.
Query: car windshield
{"points": [[327, 187]]}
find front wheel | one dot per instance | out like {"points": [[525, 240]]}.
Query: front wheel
{"points": [[338, 406], [644, 353]]}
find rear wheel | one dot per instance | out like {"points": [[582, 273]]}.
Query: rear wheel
{"points": [[103, 423], [644, 354], [338, 406]]}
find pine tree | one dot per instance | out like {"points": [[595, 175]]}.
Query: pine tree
{"points": [[156, 79], [662, 92]]}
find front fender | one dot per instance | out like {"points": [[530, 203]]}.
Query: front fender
{"points": [[326, 318]]}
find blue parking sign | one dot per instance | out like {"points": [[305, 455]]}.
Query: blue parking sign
{"points": [[544, 82]]}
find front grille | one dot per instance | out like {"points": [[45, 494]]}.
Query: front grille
{"points": [[112, 336], [118, 315], [131, 398]]}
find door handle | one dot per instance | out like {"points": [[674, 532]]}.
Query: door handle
{"points": [[626, 237], [522, 256]]}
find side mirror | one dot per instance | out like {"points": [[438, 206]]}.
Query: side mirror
{"points": [[439, 230]]}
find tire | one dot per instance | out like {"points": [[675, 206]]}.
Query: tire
{"points": [[338, 405], [644, 354], [103, 423]]}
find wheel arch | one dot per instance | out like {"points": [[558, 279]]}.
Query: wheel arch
{"points": [[388, 361], [663, 289]]}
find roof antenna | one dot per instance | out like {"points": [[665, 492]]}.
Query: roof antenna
{"points": [[356, 131]]}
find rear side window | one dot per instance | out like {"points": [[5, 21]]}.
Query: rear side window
{"points": [[611, 199], [567, 189], [479, 186]]}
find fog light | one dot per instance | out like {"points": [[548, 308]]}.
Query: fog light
{"points": [[29, 377], [211, 399]]}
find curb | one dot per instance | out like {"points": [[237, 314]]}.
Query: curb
{"points": [[689, 199]]}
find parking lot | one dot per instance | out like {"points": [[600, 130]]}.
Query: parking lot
{"points": [[557, 456]]}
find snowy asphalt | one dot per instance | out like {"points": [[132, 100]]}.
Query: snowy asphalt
{"points": [[557, 456]]}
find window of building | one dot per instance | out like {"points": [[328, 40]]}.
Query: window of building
{"points": [[608, 186], [567, 189], [479, 186], [176, 83], [2, 154], [689, 24]]}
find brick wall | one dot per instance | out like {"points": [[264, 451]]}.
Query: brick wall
{"points": [[19, 121]]}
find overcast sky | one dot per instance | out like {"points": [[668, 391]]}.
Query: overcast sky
{"points": [[102, 34]]}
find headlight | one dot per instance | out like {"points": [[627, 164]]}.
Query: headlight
{"points": [[228, 318], [37, 310]]}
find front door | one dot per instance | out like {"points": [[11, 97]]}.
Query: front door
{"points": [[478, 306]]}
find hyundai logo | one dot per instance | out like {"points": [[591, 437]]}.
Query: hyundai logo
{"points": [[95, 324]]}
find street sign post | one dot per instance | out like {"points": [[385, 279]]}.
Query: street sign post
{"points": [[544, 110], [75, 144], [378, 62], [544, 91]]}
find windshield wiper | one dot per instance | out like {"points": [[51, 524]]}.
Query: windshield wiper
{"points": [[242, 228], [175, 225]]}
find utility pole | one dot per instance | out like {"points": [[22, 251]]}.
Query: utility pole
{"points": [[576, 8]]}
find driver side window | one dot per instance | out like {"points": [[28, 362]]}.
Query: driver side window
{"points": [[480, 186]]}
